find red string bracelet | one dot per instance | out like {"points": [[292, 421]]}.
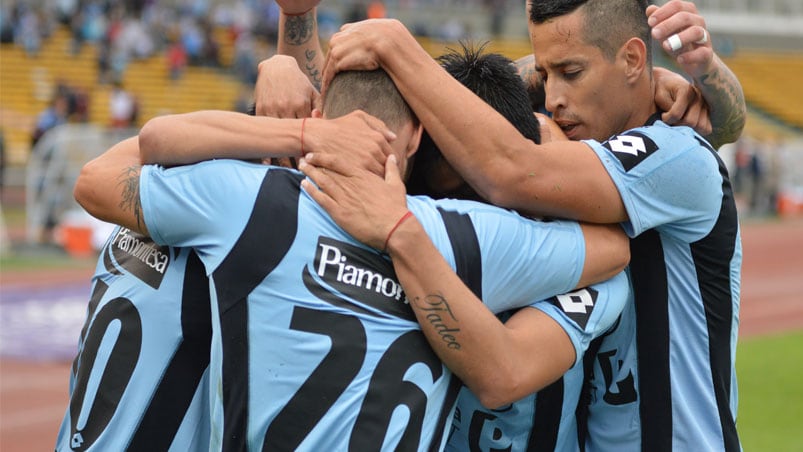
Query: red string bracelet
{"points": [[296, 14], [303, 123], [398, 223]]}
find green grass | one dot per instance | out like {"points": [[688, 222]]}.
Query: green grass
{"points": [[770, 373]]}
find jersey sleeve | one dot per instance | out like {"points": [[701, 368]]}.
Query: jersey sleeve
{"points": [[587, 313], [524, 260], [204, 206], [667, 178]]}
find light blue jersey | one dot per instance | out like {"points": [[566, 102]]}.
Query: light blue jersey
{"points": [[546, 420], [139, 381], [685, 266], [314, 344]]}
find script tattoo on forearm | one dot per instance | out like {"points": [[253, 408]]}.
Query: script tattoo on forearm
{"points": [[436, 311], [129, 179], [723, 93], [298, 30], [312, 68]]}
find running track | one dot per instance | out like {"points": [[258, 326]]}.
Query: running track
{"points": [[41, 317]]}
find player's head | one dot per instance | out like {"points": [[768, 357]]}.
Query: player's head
{"points": [[375, 93], [595, 56], [493, 78]]}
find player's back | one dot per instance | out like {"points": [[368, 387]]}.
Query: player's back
{"points": [[316, 347], [139, 379]]}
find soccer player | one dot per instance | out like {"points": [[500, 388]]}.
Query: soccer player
{"points": [[314, 346], [665, 185], [139, 380]]}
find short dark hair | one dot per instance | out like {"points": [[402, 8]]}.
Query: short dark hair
{"points": [[494, 79], [370, 91], [608, 23]]}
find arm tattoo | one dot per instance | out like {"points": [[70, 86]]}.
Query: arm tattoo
{"points": [[726, 105], [435, 310], [312, 68], [130, 201], [298, 30]]}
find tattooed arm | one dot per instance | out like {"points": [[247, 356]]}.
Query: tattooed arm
{"points": [[695, 56], [108, 186], [288, 84], [298, 37]]}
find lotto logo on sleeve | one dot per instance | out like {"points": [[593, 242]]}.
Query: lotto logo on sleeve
{"points": [[577, 305], [631, 148]]}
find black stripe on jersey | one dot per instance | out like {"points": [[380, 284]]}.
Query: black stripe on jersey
{"points": [[712, 256], [468, 266], [466, 249], [648, 274], [268, 235], [548, 408], [178, 385], [583, 403]]}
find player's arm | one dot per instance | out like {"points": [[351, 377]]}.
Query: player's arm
{"points": [[288, 84], [298, 37], [694, 54], [108, 186], [559, 179], [204, 135]]}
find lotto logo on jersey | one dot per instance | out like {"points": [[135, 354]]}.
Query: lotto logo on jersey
{"points": [[631, 148], [362, 275], [577, 305], [139, 255]]}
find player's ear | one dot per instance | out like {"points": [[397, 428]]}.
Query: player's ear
{"points": [[316, 113], [415, 140]]}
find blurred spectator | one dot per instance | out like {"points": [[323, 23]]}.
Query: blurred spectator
{"points": [[176, 58], [55, 114], [210, 47], [245, 58], [376, 10], [2, 161], [122, 107], [6, 25], [28, 31], [496, 11], [357, 12]]}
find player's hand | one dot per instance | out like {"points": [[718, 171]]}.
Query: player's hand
{"points": [[360, 45], [282, 90], [357, 141], [297, 6], [549, 129], [682, 33], [681, 102], [364, 204]]}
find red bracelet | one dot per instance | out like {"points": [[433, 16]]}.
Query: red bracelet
{"points": [[303, 123], [296, 14], [398, 223]]}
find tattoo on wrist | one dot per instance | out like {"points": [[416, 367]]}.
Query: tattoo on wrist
{"points": [[298, 30], [129, 179], [312, 68], [437, 311]]}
